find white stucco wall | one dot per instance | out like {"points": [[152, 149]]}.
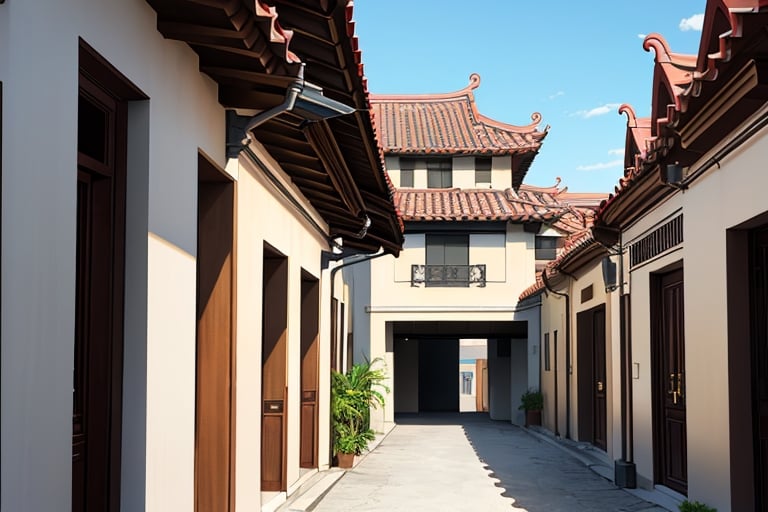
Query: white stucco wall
{"points": [[722, 198], [510, 268], [289, 233], [38, 236]]}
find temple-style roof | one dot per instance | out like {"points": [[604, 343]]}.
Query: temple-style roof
{"points": [[562, 210], [450, 124], [696, 101], [255, 51]]}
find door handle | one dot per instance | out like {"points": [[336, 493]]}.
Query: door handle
{"points": [[673, 387], [599, 385]]}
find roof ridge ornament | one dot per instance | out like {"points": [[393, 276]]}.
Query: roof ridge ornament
{"points": [[626, 108]]}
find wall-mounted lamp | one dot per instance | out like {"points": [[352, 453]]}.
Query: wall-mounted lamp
{"points": [[673, 176], [609, 274]]}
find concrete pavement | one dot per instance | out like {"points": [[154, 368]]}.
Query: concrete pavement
{"points": [[466, 462]]}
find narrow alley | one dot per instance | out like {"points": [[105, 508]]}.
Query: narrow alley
{"points": [[467, 462]]}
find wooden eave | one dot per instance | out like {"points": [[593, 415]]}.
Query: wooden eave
{"points": [[640, 195], [254, 52], [582, 256]]}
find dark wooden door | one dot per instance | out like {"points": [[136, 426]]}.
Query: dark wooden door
{"points": [[310, 318], [759, 339], [600, 382], [274, 371], [592, 385], [98, 344], [670, 439], [214, 418]]}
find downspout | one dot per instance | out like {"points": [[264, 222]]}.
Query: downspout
{"points": [[567, 355], [625, 471]]}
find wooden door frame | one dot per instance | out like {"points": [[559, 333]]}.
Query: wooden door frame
{"points": [[310, 341], [271, 403], [586, 358], [658, 381], [97, 77], [214, 181]]}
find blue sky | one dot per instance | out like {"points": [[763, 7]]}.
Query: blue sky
{"points": [[574, 62]]}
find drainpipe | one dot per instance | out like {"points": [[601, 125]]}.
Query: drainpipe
{"points": [[625, 471], [567, 356]]}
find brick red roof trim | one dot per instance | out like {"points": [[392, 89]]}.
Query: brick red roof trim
{"points": [[574, 245], [569, 213], [682, 77]]}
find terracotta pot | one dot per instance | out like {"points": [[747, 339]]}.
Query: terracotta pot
{"points": [[532, 418], [346, 460]]}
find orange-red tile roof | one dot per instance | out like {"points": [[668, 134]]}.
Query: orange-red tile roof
{"points": [[574, 245], [450, 124], [681, 79], [565, 211]]}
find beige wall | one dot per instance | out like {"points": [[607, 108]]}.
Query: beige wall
{"points": [[509, 261], [463, 175], [724, 197], [40, 82], [166, 133], [288, 232]]}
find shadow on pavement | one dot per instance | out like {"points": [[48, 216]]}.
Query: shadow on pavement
{"points": [[490, 439]]}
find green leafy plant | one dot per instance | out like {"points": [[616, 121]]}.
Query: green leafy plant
{"points": [[531, 400], [695, 506], [353, 394]]}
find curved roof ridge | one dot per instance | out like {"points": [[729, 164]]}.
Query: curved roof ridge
{"points": [[474, 82], [664, 55]]}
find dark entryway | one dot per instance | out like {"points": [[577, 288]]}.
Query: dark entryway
{"points": [[215, 411], [310, 319], [592, 385], [438, 371], [668, 353], [100, 283], [758, 298], [274, 370]]}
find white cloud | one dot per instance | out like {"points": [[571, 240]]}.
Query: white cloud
{"points": [[602, 165], [641, 36], [695, 22], [556, 95], [598, 111], [617, 151]]}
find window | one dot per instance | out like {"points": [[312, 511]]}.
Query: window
{"points": [[407, 165], [546, 247], [439, 173], [466, 383], [447, 260], [483, 172], [546, 353]]}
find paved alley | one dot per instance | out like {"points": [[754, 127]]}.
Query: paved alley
{"points": [[452, 462]]}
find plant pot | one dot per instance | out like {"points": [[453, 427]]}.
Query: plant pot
{"points": [[346, 460], [532, 418]]}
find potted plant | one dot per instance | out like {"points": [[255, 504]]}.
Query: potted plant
{"points": [[532, 402], [352, 395], [695, 506]]}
